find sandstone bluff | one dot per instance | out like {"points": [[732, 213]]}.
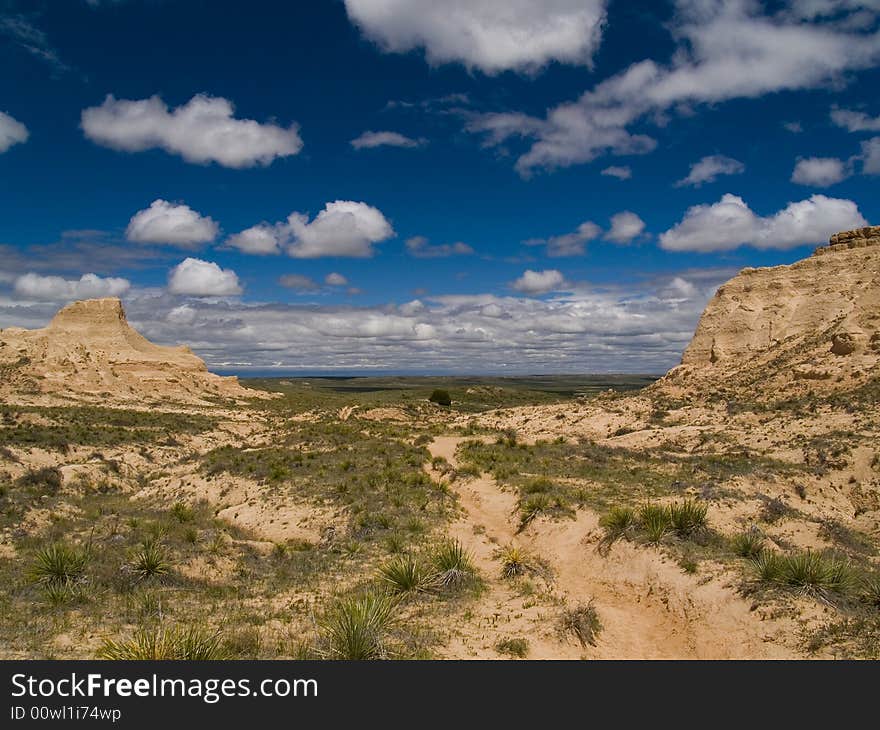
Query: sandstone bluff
{"points": [[91, 352]]}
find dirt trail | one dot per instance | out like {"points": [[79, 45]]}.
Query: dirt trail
{"points": [[649, 608]]}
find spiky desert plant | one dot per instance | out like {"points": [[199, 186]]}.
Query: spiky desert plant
{"points": [[355, 628], [151, 560], [403, 574], [768, 566], [869, 590], [816, 573], [654, 520], [748, 544], [59, 563], [688, 517], [189, 643], [513, 561], [532, 507], [452, 565], [618, 522]]}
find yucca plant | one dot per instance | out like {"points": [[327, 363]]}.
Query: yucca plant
{"points": [[513, 561], [618, 522], [150, 560], [768, 566], [817, 573], [582, 621], [531, 507], [655, 521], [748, 544], [688, 517], [403, 574], [355, 628], [869, 590], [175, 643], [452, 565], [59, 563]]}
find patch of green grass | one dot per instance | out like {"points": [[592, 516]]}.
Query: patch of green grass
{"points": [[687, 517], [618, 522], [515, 647], [655, 522], [748, 544], [182, 643]]}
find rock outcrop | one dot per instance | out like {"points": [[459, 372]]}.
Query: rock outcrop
{"points": [[813, 325], [90, 352]]}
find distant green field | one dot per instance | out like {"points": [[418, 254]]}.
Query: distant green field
{"points": [[468, 393]]}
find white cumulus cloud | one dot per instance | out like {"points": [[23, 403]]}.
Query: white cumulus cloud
{"points": [[855, 121], [334, 279], [171, 223], [819, 171], [725, 49], [203, 130], [539, 282], [871, 156], [730, 223], [58, 289], [625, 226], [369, 140], [11, 132], [490, 35], [709, 168], [343, 228], [621, 172], [198, 278]]}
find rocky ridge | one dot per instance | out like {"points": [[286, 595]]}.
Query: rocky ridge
{"points": [[90, 352]]}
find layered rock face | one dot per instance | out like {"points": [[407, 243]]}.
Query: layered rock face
{"points": [[89, 351], [812, 325]]}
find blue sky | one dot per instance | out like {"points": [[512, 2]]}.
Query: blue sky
{"points": [[465, 186]]}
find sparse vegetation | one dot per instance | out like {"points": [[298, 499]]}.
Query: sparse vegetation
{"points": [[183, 643], [59, 564], [517, 647], [748, 544], [452, 565], [581, 621], [818, 574], [356, 627]]}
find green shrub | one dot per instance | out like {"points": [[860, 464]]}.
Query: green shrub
{"points": [[150, 560], [687, 517], [869, 590], [582, 621], [517, 647], [441, 397], [175, 643], [748, 544], [655, 522], [59, 563], [768, 566], [618, 522], [355, 628], [183, 512], [808, 571], [453, 565], [403, 574]]}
